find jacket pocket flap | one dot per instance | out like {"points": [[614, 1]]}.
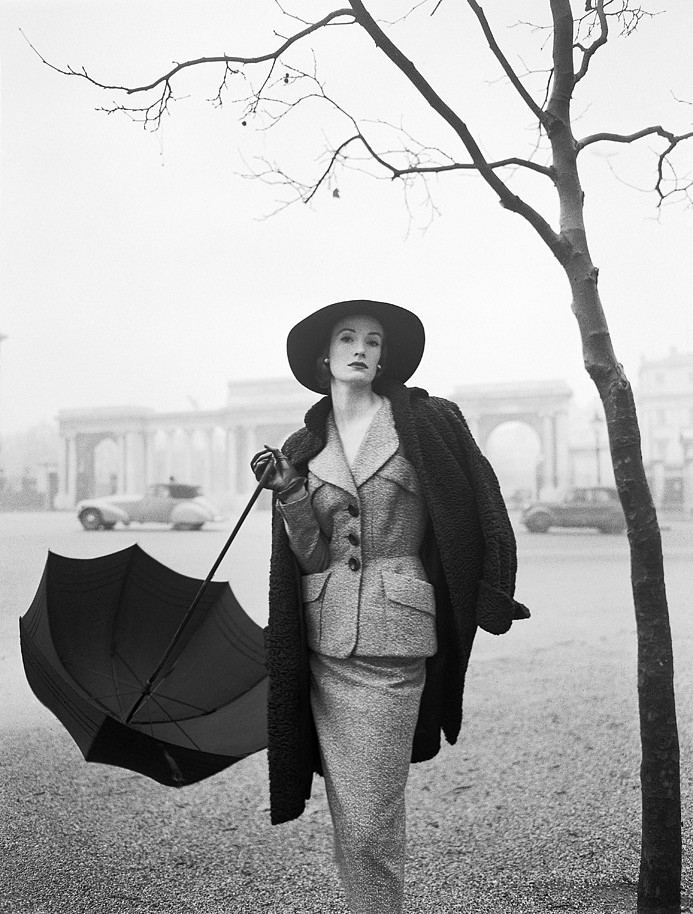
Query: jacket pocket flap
{"points": [[399, 470], [414, 592], [313, 585]]}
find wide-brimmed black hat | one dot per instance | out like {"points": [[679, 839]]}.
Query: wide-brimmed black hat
{"points": [[404, 335]]}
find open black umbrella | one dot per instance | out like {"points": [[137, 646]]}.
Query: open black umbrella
{"points": [[147, 669]]}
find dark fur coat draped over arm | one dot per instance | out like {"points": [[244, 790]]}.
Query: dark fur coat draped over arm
{"points": [[470, 558]]}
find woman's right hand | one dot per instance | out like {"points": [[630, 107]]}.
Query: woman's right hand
{"points": [[283, 473]]}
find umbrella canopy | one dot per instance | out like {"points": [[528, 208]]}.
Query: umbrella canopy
{"points": [[96, 632]]}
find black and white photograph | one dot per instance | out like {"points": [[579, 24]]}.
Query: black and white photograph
{"points": [[346, 457]]}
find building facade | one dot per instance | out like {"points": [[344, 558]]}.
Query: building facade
{"points": [[123, 449], [120, 450], [665, 408]]}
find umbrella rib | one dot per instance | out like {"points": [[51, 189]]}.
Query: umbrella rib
{"points": [[179, 701], [170, 720], [116, 655], [162, 709], [115, 679], [133, 691], [207, 711], [73, 664], [167, 697], [123, 660], [119, 601], [103, 696]]}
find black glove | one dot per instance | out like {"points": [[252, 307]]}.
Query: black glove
{"points": [[283, 479]]}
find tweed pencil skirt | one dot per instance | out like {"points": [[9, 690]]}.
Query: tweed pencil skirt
{"points": [[365, 711]]}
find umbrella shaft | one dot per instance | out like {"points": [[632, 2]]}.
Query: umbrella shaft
{"points": [[198, 596]]}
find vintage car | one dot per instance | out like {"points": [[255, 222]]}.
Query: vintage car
{"points": [[183, 506], [592, 506]]}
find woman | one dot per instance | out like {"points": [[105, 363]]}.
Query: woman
{"points": [[391, 543]]}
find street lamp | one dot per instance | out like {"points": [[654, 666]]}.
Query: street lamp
{"points": [[596, 423]]}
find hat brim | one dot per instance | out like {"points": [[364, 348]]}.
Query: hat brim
{"points": [[404, 334]]}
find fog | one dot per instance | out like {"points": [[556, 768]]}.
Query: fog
{"points": [[142, 267]]}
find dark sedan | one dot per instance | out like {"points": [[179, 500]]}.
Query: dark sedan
{"points": [[593, 506]]}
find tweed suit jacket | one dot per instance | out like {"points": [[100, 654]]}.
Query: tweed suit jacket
{"points": [[357, 536], [469, 556]]}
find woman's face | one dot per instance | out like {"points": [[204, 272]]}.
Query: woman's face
{"points": [[355, 348]]}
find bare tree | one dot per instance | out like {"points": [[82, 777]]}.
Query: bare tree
{"points": [[574, 41]]}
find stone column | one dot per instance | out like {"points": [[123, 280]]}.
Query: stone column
{"points": [[61, 498], [562, 450], [71, 471], [687, 444], [548, 451], [135, 472], [169, 453], [244, 478], [122, 464], [67, 474], [188, 454], [231, 463], [150, 469], [209, 462]]}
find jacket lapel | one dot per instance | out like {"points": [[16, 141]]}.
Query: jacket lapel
{"points": [[310, 442], [330, 464], [379, 444]]}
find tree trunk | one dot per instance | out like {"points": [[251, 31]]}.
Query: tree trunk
{"points": [[659, 887]]}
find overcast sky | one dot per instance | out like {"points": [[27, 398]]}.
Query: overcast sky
{"points": [[137, 267]]}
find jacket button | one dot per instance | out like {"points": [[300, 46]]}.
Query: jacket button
{"points": [[353, 510], [353, 539], [354, 563]]}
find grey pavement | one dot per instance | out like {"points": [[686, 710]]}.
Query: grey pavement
{"points": [[536, 809]]}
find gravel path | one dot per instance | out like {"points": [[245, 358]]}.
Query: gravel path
{"points": [[536, 809]]}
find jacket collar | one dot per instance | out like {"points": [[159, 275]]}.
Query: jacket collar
{"points": [[308, 441], [330, 464], [379, 444]]}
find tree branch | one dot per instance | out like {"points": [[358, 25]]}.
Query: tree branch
{"points": [[306, 192], [166, 78], [470, 166], [663, 158], [505, 64], [600, 41], [396, 172], [507, 199], [631, 137]]}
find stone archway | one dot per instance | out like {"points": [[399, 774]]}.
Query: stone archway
{"points": [[542, 405], [89, 453], [514, 448], [211, 448], [106, 464]]}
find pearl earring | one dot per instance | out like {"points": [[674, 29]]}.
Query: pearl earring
{"points": [[326, 361]]}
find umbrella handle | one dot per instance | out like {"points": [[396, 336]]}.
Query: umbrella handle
{"points": [[269, 469]]}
